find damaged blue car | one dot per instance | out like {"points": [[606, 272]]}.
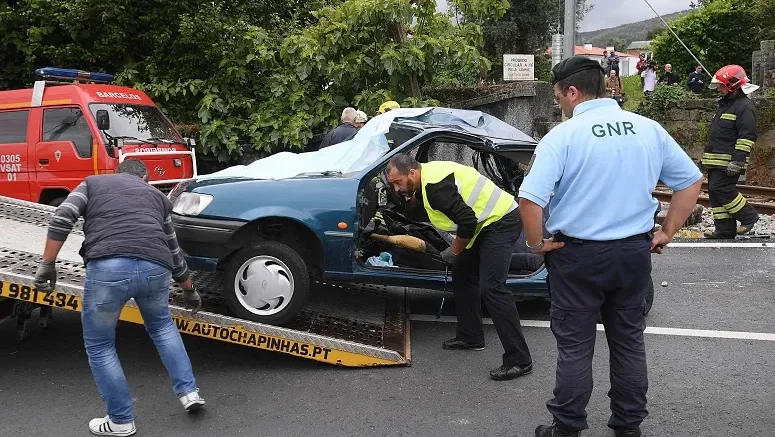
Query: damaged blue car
{"points": [[278, 224]]}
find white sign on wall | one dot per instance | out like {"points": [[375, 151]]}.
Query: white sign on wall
{"points": [[518, 67]]}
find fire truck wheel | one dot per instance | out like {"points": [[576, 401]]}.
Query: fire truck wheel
{"points": [[58, 201], [267, 283]]}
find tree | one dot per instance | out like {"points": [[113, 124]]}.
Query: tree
{"points": [[617, 43], [263, 73], [516, 32], [720, 33]]}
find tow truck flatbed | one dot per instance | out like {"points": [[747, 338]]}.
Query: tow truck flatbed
{"points": [[346, 325]]}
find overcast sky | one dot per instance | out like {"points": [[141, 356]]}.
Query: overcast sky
{"points": [[611, 13]]}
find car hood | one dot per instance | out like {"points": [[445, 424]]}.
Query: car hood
{"points": [[247, 199]]}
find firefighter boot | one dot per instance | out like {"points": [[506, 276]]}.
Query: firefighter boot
{"points": [[745, 228], [725, 230]]}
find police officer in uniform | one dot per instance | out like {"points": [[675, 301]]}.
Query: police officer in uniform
{"points": [[486, 223], [731, 138], [601, 166]]}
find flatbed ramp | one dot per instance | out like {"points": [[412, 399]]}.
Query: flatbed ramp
{"points": [[346, 325]]}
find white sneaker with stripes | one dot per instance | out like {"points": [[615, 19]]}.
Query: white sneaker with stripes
{"points": [[192, 401], [105, 426]]}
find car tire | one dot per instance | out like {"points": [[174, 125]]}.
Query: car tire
{"points": [[266, 283]]}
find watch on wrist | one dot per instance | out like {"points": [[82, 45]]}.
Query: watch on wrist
{"points": [[536, 246]]}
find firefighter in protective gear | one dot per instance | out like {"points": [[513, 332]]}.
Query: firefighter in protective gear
{"points": [[387, 106], [486, 223], [730, 141]]}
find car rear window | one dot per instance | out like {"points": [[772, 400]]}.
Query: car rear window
{"points": [[13, 126]]}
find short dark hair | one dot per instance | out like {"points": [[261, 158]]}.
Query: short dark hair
{"points": [[133, 166], [403, 163], [589, 82]]}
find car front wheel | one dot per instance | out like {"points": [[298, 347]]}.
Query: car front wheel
{"points": [[266, 283]]}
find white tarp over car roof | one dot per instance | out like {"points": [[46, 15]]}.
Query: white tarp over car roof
{"points": [[369, 144]]}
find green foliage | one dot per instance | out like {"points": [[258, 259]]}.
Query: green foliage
{"points": [[515, 32], [663, 98], [543, 68], [262, 73], [480, 12], [703, 129], [619, 44], [633, 88], [719, 33]]}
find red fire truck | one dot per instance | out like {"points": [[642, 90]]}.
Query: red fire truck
{"points": [[73, 124]]}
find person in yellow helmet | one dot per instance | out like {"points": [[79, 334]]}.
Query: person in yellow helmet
{"points": [[387, 106]]}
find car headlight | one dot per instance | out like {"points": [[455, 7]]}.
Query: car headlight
{"points": [[191, 203]]}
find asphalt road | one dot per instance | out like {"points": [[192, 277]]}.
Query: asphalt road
{"points": [[699, 386]]}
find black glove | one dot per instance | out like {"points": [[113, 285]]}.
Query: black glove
{"points": [[734, 168], [449, 257], [46, 277], [192, 301]]}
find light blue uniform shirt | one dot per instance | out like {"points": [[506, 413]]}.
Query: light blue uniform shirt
{"points": [[602, 166]]}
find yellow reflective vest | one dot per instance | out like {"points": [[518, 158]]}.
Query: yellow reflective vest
{"points": [[489, 202]]}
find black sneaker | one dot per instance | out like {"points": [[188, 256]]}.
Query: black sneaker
{"points": [[627, 432], [555, 430], [456, 344], [504, 372]]}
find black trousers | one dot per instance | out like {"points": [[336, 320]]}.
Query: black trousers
{"points": [[610, 278], [480, 275], [729, 206]]}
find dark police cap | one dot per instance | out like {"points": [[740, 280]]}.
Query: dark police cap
{"points": [[573, 65]]}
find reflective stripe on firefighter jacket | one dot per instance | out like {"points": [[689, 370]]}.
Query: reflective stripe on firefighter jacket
{"points": [[732, 134], [489, 202]]}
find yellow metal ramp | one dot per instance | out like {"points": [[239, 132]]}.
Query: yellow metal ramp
{"points": [[346, 325]]}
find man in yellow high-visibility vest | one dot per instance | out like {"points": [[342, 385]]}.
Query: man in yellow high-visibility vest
{"points": [[486, 224]]}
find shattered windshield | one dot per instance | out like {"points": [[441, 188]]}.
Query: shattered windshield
{"points": [[146, 123]]}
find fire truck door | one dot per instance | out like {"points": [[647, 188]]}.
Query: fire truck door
{"points": [[65, 154], [14, 155]]}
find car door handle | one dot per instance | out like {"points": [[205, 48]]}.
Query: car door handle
{"points": [[43, 161]]}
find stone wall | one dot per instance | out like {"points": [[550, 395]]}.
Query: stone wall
{"points": [[763, 66], [524, 105], [689, 123]]}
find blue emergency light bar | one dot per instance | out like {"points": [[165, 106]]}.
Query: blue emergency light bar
{"points": [[71, 74]]}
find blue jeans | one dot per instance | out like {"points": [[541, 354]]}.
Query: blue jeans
{"points": [[110, 283]]}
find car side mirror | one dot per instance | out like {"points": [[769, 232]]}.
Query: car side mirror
{"points": [[190, 142], [103, 119]]}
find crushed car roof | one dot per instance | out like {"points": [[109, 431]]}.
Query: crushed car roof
{"points": [[370, 144]]}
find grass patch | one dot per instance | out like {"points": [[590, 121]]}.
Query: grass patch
{"points": [[634, 90]]}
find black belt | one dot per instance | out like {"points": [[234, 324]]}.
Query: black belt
{"points": [[560, 237]]}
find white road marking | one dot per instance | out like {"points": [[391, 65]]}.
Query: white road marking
{"points": [[704, 333], [720, 245]]}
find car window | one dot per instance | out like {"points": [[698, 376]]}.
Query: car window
{"points": [[13, 126], [68, 124], [504, 172]]}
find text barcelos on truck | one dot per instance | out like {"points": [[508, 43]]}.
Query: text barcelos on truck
{"points": [[73, 124]]}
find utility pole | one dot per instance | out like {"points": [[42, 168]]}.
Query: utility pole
{"points": [[569, 45]]}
